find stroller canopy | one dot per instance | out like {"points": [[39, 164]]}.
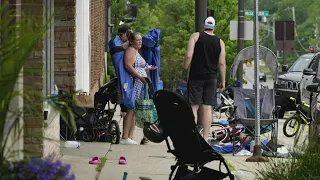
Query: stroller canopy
{"points": [[265, 54]]}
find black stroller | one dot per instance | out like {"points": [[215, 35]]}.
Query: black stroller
{"points": [[95, 123], [190, 149]]}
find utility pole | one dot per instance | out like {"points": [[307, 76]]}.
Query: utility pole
{"points": [[200, 14], [257, 154], [240, 40], [317, 36], [274, 31]]}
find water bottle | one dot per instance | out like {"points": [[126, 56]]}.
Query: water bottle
{"points": [[72, 144], [125, 174]]}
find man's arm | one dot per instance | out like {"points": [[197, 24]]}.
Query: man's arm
{"points": [[222, 65], [190, 48], [188, 56]]}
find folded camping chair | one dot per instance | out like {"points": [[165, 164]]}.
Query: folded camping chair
{"points": [[190, 149], [244, 101]]}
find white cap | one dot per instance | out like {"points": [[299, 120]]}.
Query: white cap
{"points": [[209, 23]]}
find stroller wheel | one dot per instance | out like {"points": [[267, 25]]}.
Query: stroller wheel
{"points": [[88, 135], [113, 132]]}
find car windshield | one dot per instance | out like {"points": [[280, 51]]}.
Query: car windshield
{"points": [[301, 63]]}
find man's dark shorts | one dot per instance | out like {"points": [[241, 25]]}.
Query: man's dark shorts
{"points": [[123, 108], [202, 92]]}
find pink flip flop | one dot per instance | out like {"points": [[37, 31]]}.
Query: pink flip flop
{"points": [[123, 160], [95, 160]]}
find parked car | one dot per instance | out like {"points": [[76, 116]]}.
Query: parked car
{"points": [[315, 102], [310, 77], [287, 85]]}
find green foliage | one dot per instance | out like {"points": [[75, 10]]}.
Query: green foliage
{"points": [[146, 19], [306, 16], [18, 39], [175, 19], [118, 13], [100, 166], [304, 167]]}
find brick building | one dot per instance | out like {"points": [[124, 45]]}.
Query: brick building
{"points": [[71, 57]]}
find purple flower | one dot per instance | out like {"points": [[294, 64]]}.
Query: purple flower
{"points": [[72, 177], [65, 170], [42, 169], [10, 167], [21, 175]]}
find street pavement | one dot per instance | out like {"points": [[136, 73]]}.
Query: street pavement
{"points": [[151, 161], [249, 77]]}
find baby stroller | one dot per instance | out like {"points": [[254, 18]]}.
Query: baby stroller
{"points": [[95, 123], [224, 104], [176, 118]]}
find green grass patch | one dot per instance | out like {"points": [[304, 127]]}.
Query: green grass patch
{"points": [[303, 167], [231, 166], [100, 166]]}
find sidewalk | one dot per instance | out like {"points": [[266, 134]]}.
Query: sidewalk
{"points": [[79, 158], [150, 160]]}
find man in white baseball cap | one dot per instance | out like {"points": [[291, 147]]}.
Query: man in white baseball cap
{"points": [[209, 23], [206, 54]]}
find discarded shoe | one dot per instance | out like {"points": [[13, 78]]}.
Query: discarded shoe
{"points": [[95, 160], [123, 160]]}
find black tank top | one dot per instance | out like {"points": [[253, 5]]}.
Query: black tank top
{"points": [[204, 64]]}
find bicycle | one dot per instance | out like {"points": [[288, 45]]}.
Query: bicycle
{"points": [[225, 103], [294, 122], [222, 131]]}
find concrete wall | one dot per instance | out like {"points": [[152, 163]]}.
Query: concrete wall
{"points": [[51, 140], [33, 89]]}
